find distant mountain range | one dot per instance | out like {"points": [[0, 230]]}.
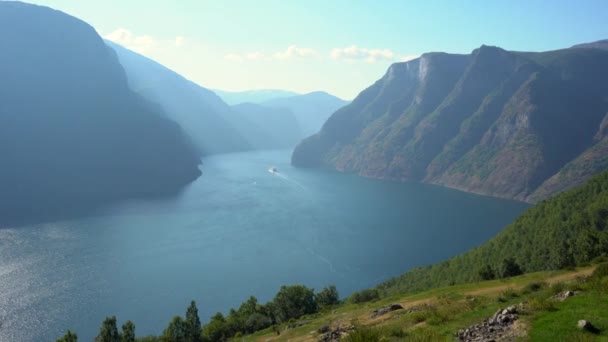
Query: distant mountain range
{"points": [[252, 96], [521, 125], [202, 114], [311, 110], [214, 126], [72, 133]]}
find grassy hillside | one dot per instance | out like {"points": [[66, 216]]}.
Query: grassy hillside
{"points": [[436, 315]]}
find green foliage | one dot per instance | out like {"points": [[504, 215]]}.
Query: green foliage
{"points": [[363, 335], [193, 324], [486, 272], [509, 268], [108, 332], [328, 296], [367, 295], [69, 337], [293, 302], [600, 271], [216, 329], [567, 230], [128, 332], [176, 331], [507, 295], [533, 287]]}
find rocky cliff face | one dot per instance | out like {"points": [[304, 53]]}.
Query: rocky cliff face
{"points": [[72, 133], [495, 122]]}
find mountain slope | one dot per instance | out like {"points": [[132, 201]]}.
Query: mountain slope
{"points": [[253, 96], [311, 110], [72, 133], [266, 127], [202, 114], [494, 122], [600, 44], [566, 230]]}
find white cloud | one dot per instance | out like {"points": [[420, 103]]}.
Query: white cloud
{"points": [[355, 53], [406, 58], [255, 55], [234, 57], [141, 43], [297, 52], [292, 52]]}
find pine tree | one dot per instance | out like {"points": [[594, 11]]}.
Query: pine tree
{"points": [[193, 323], [108, 332], [128, 332], [69, 337], [176, 331]]}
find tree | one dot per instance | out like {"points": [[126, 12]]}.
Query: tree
{"points": [[215, 330], [128, 332], [193, 324], [176, 331], [69, 337], [293, 302], [509, 268], [486, 272], [328, 296], [108, 332]]}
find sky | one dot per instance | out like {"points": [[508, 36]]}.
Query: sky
{"points": [[338, 46]]}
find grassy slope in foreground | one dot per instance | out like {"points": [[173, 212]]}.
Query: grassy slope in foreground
{"points": [[448, 309], [564, 231]]}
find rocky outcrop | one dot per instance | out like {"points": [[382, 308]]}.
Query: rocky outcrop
{"points": [[508, 124], [336, 333], [493, 328], [384, 310]]}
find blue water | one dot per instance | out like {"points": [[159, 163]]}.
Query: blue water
{"points": [[239, 230]]}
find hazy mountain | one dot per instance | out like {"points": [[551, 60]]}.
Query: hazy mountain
{"points": [[508, 124], [72, 133], [252, 96], [266, 127], [311, 110], [600, 44], [201, 113]]}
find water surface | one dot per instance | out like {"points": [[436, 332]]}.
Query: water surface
{"points": [[239, 230]]}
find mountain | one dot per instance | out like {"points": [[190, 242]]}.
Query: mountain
{"points": [[213, 126], [570, 229], [600, 44], [311, 110], [509, 124], [72, 133], [202, 114], [252, 96], [266, 127]]}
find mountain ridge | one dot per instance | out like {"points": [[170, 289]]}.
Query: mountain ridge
{"points": [[493, 122]]}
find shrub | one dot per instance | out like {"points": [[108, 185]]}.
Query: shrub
{"points": [[533, 287], [539, 303], [509, 268], [486, 273], [507, 295], [365, 296], [363, 335], [328, 296]]}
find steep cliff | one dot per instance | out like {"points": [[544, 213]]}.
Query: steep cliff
{"points": [[493, 122]]}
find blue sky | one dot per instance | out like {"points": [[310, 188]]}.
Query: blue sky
{"points": [[340, 46]]}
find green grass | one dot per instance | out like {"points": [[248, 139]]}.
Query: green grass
{"points": [[455, 307], [560, 324]]}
